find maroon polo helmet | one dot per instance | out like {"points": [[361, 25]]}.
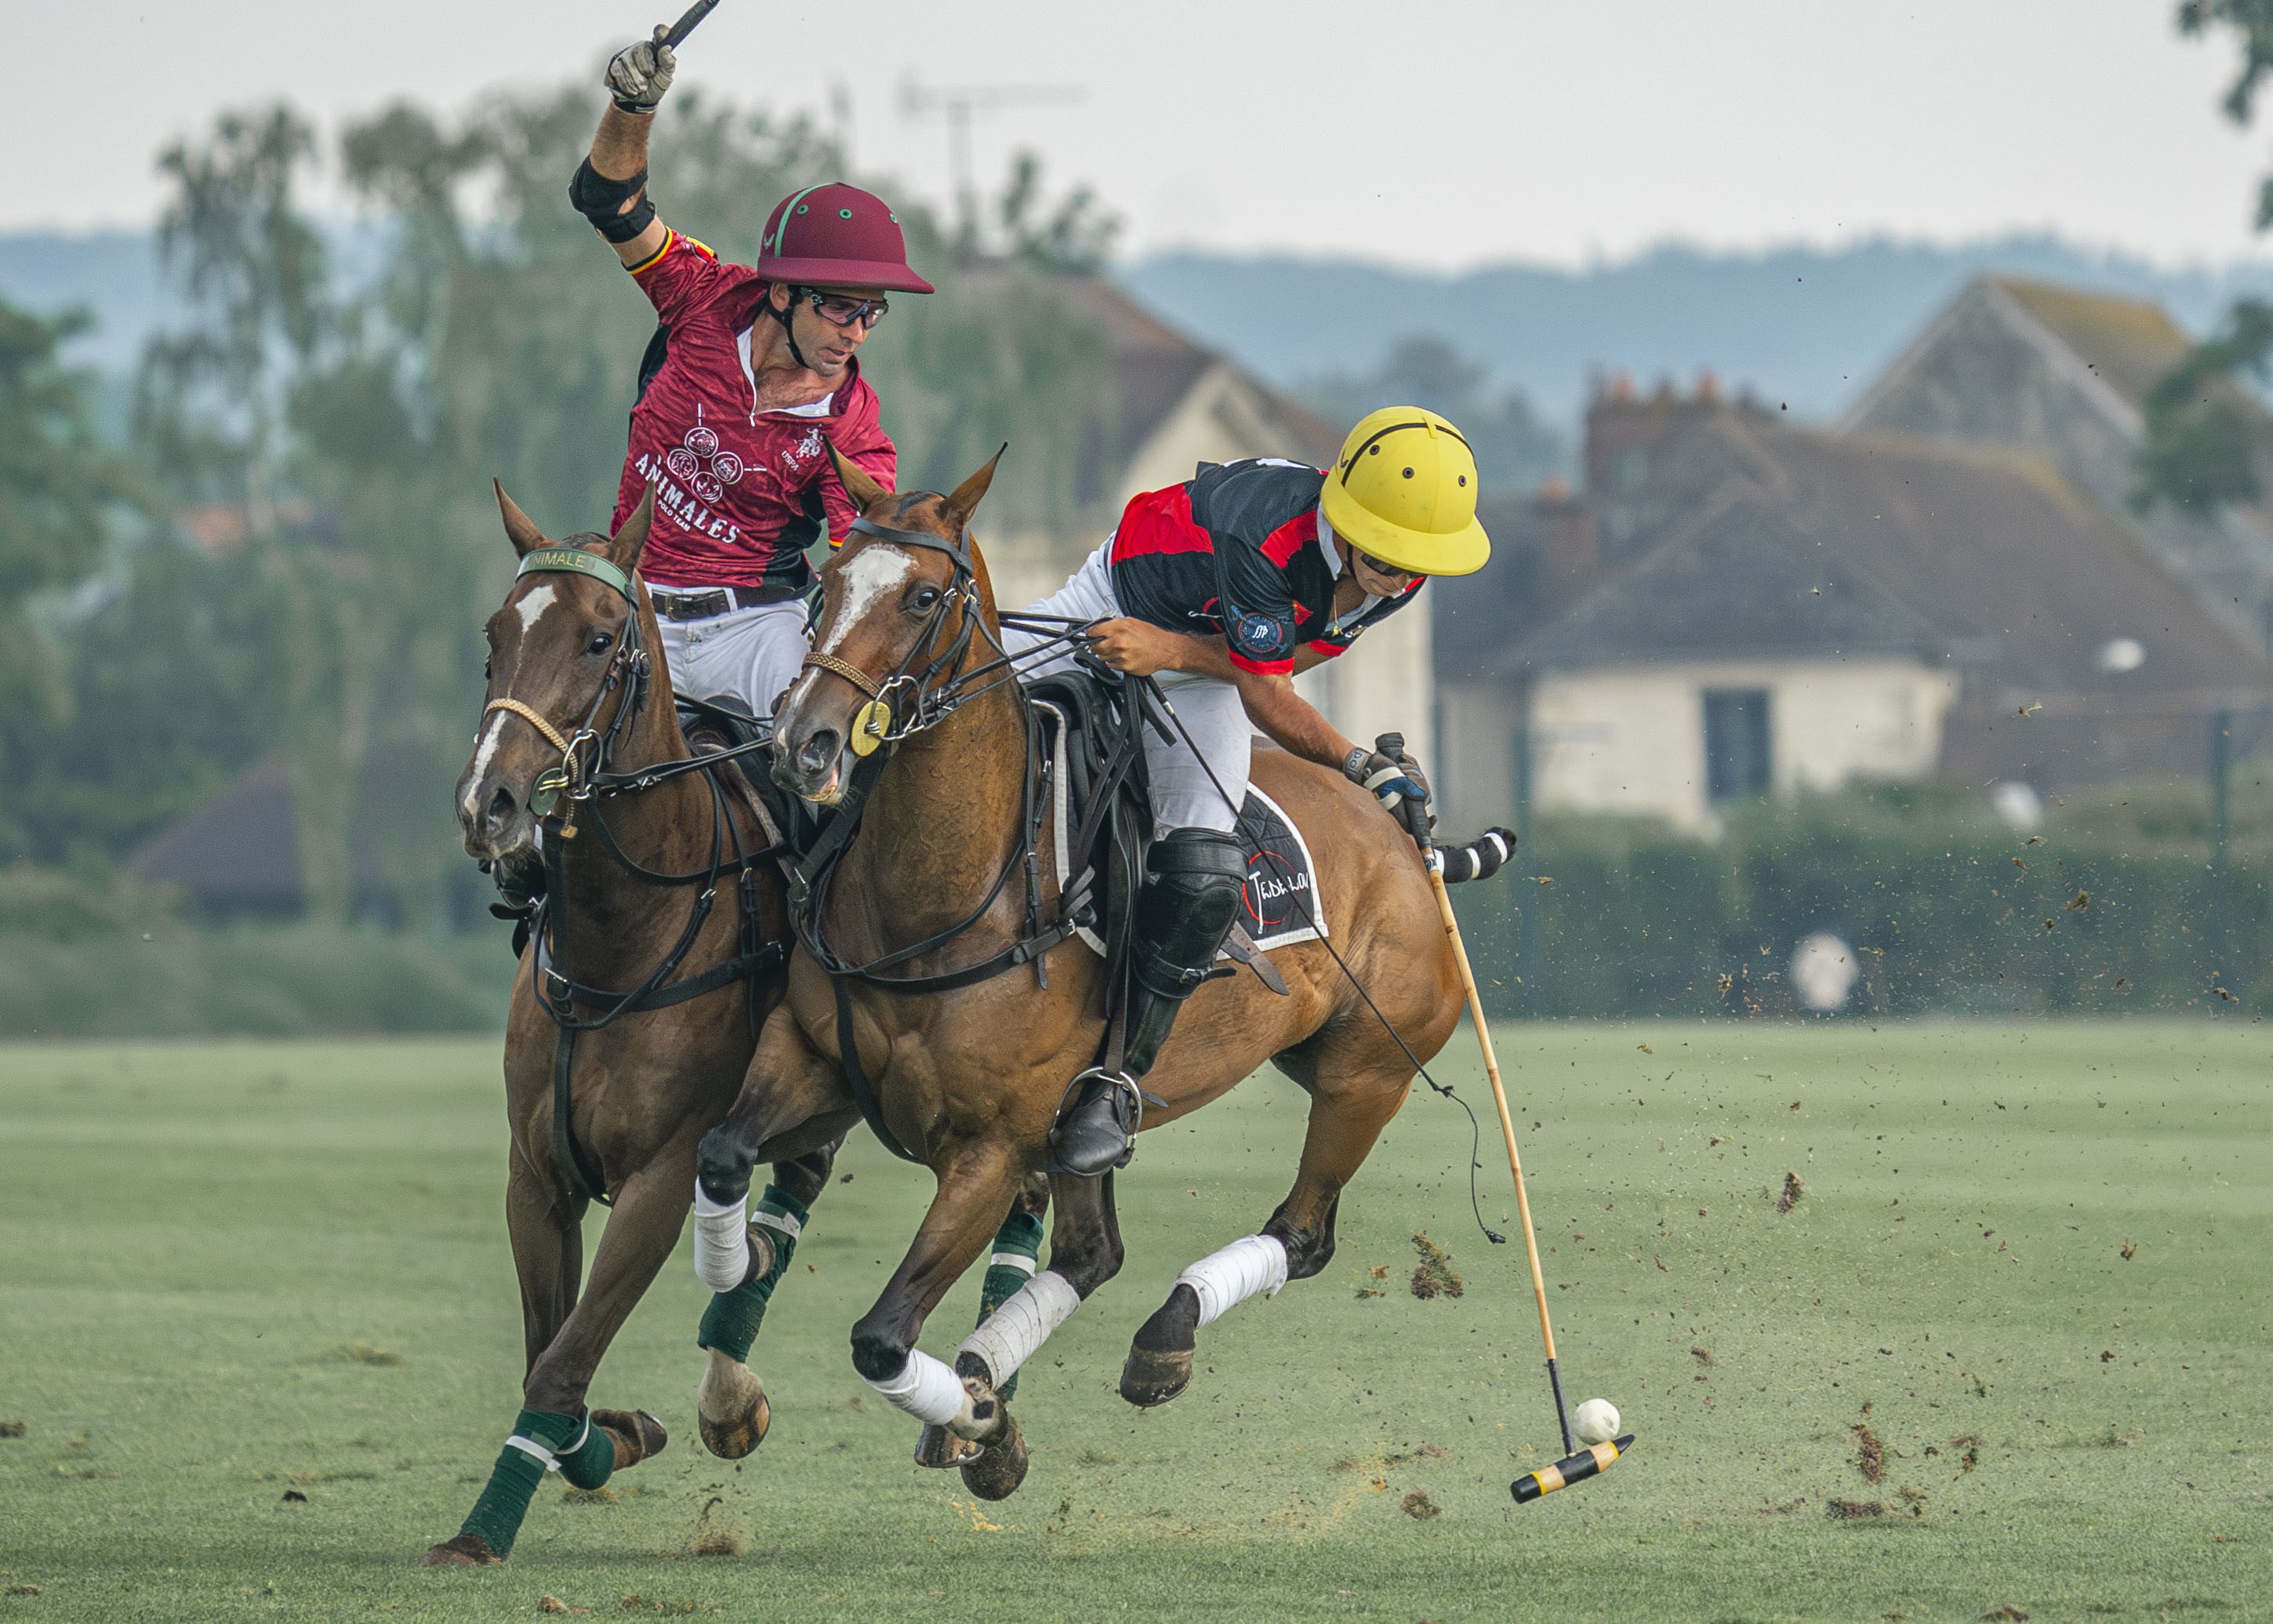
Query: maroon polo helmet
{"points": [[836, 236]]}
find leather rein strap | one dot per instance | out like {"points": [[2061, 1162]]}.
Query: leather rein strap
{"points": [[557, 990]]}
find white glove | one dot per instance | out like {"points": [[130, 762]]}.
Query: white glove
{"points": [[638, 74]]}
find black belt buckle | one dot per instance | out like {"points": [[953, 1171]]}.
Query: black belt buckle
{"points": [[693, 606]]}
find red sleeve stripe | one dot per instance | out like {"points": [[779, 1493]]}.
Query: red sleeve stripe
{"points": [[1291, 537], [1330, 649], [669, 241], [1159, 521], [1263, 668]]}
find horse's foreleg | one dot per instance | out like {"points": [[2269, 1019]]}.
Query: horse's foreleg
{"points": [[1296, 1243], [548, 1255], [553, 1432], [1011, 1262], [742, 1255], [974, 1192], [1086, 1251]]}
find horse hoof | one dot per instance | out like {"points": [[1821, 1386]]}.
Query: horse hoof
{"points": [[731, 1439], [465, 1551], [636, 1433], [936, 1446], [1151, 1378], [999, 1467]]}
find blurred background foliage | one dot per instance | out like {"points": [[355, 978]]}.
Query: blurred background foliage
{"points": [[289, 557]]}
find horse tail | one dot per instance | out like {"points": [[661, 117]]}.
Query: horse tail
{"points": [[1480, 859]]}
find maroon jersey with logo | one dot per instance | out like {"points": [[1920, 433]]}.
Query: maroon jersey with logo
{"points": [[740, 493]]}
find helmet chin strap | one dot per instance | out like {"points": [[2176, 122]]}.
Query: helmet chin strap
{"points": [[788, 319]]}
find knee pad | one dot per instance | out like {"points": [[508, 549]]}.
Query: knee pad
{"points": [[1195, 881]]}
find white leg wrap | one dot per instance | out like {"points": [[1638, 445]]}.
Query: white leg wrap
{"points": [[1023, 1324], [1238, 1272], [722, 1244], [926, 1389]]}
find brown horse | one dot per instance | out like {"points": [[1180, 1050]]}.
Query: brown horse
{"points": [[579, 737], [971, 1077]]}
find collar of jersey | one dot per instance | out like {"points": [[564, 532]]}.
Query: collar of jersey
{"points": [[817, 409]]}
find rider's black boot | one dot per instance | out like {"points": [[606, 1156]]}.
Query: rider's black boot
{"points": [[1186, 909]]}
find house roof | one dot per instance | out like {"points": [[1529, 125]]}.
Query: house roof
{"points": [[1799, 544], [2129, 343]]}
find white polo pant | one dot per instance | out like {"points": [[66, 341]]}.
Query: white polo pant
{"points": [[752, 655], [1183, 796]]}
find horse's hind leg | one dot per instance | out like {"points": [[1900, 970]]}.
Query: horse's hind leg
{"points": [[552, 1432], [1346, 1115]]}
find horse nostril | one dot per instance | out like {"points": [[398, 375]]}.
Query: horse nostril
{"points": [[818, 751], [502, 808]]}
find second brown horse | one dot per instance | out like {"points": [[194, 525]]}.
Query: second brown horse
{"points": [[971, 1077]]}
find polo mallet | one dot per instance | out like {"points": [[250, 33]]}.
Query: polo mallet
{"points": [[688, 22], [1577, 1464]]}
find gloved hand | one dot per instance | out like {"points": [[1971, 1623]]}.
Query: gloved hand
{"points": [[1397, 783], [638, 74]]}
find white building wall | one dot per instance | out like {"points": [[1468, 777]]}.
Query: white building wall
{"points": [[1630, 738]]}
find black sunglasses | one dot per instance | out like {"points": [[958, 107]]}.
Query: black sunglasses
{"points": [[1380, 568], [842, 310]]}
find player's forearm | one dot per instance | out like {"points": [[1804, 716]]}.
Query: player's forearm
{"points": [[1291, 722], [619, 149]]}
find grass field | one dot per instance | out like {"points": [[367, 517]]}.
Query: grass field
{"points": [[229, 1272]]}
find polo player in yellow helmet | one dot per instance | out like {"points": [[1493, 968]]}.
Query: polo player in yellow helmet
{"points": [[1223, 587]]}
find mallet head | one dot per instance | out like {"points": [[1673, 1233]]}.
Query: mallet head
{"points": [[1570, 1469]]}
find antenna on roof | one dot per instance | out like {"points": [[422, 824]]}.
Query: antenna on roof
{"points": [[959, 103]]}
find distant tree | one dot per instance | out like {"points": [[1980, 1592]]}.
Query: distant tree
{"points": [[1073, 239], [2253, 21], [1514, 447], [58, 483], [2205, 437]]}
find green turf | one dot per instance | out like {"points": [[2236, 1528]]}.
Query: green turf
{"points": [[190, 1236]]}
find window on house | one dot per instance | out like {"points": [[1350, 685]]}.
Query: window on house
{"points": [[1736, 761]]}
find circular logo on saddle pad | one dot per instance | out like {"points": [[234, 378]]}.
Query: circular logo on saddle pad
{"points": [[1257, 634]]}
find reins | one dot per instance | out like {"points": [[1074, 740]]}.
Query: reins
{"points": [[933, 695], [582, 781]]}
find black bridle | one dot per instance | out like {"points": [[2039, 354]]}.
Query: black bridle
{"points": [[576, 789], [914, 701]]}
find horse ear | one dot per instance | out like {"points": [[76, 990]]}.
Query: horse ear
{"points": [[863, 491], [626, 545], [519, 528], [964, 500]]}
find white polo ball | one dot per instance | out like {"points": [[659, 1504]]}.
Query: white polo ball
{"points": [[1596, 1421]]}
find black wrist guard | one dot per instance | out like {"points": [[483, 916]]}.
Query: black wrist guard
{"points": [[601, 201]]}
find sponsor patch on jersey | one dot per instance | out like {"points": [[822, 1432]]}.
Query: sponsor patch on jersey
{"points": [[1258, 636]]}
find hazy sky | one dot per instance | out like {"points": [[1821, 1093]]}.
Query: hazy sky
{"points": [[1466, 131]]}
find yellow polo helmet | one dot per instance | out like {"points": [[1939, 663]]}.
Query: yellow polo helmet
{"points": [[1404, 489]]}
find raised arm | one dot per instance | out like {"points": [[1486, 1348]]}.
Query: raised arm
{"points": [[611, 186]]}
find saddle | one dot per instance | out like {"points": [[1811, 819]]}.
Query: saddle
{"points": [[724, 723], [1092, 726]]}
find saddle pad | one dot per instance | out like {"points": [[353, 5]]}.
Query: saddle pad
{"points": [[1282, 881]]}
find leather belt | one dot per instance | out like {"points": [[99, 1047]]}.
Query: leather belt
{"points": [[717, 600]]}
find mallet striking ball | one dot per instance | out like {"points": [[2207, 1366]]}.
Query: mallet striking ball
{"points": [[1595, 1421], [1581, 1462]]}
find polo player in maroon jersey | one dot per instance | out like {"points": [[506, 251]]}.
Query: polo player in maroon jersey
{"points": [[752, 369]]}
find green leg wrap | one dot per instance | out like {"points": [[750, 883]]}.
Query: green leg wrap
{"points": [[497, 1515], [591, 1463], [731, 1322], [1020, 1236]]}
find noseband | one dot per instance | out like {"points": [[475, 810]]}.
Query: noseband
{"points": [[585, 753], [930, 700]]}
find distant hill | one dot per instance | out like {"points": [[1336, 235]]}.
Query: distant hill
{"points": [[1803, 326]]}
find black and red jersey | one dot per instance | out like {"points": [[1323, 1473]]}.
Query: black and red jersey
{"points": [[1239, 550]]}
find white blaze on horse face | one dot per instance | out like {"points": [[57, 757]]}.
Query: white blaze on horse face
{"points": [[870, 573], [533, 606], [479, 771]]}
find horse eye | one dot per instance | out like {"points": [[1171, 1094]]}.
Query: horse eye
{"points": [[924, 600], [599, 644]]}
